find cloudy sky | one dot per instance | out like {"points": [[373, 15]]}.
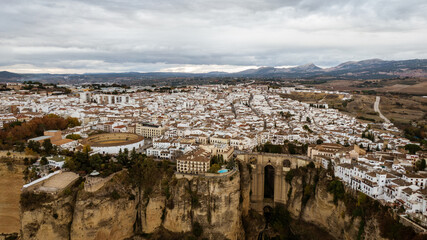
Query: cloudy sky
{"points": [[62, 36]]}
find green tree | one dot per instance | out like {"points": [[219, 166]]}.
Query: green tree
{"points": [[362, 199], [336, 187], [43, 161], [29, 151], [20, 147], [420, 165], [307, 129], [95, 161], [73, 136], [144, 174], [231, 164], [87, 149], [47, 146], [214, 168], [26, 172], [214, 160], [73, 122], [34, 146], [133, 155], [291, 148], [33, 174], [412, 148]]}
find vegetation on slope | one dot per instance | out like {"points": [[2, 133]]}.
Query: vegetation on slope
{"points": [[16, 133], [287, 148], [360, 205]]}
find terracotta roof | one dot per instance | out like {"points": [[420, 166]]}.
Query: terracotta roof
{"points": [[198, 155]]}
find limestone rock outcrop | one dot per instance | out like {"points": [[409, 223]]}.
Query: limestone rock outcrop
{"points": [[51, 221], [112, 211], [219, 205]]}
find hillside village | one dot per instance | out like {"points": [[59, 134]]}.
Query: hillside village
{"points": [[191, 125]]}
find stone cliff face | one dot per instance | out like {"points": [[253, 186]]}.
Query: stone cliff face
{"points": [[51, 221], [308, 201], [102, 216], [320, 209], [212, 202], [220, 206], [117, 211]]}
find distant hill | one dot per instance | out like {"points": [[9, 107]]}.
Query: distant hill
{"points": [[302, 70], [5, 75], [366, 69], [372, 68]]}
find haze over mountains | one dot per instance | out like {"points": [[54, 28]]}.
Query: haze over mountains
{"points": [[366, 69]]}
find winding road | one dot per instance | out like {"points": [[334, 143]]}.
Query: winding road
{"points": [[377, 109]]}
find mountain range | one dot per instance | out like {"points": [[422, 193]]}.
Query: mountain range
{"points": [[366, 69], [373, 68]]}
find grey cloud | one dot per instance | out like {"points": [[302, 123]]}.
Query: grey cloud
{"points": [[152, 35]]}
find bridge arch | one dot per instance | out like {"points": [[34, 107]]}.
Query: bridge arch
{"points": [[269, 181], [268, 171]]}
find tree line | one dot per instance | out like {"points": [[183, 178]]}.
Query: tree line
{"points": [[15, 134]]}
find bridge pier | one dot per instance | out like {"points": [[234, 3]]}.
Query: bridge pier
{"points": [[282, 163]]}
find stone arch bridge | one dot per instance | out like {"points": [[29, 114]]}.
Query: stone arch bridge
{"points": [[268, 176]]}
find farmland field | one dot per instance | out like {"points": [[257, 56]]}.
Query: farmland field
{"points": [[11, 181]]}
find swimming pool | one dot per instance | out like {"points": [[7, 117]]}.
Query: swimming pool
{"points": [[223, 171]]}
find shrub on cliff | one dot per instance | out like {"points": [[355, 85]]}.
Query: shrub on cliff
{"points": [[392, 229], [280, 221], [197, 229], [361, 205], [115, 195], [290, 175], [336, 187], [31, 201], [308, 191], [144, 173]]}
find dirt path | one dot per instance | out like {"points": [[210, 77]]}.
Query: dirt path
{"points": [[377, 109]]}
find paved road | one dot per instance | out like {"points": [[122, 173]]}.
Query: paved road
{"points": [[377, 109]]}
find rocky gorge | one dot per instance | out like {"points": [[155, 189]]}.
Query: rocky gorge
{"points": [[204, 207]]}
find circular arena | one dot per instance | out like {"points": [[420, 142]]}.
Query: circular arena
{"points": [[112, 143]]}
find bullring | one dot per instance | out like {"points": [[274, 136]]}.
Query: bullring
{"points": [[112, 143]]}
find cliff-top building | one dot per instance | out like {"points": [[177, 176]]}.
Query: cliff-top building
{"points": [[194, 162]]}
